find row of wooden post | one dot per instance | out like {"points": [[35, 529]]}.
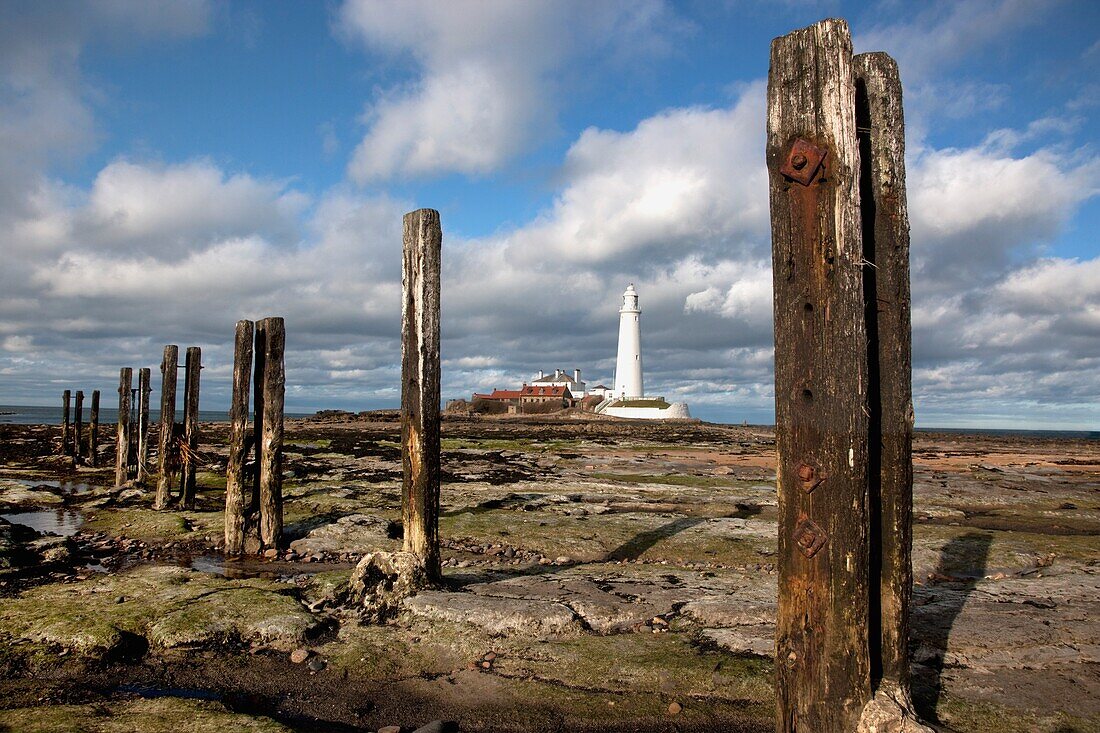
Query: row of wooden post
{"points": [[72, 439]]}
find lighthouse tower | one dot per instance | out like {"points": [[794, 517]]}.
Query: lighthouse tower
{"points": [[628, 368]]}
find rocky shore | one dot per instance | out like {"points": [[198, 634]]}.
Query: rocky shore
{"points": [[599, 575]]}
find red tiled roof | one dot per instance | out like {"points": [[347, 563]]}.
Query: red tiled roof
{"points": [[500, 394]]}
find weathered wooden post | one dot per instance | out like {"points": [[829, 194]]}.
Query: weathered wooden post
{"points": [[885, 229], [237, 494], [93, 431], [66, 397], [166, 446], [271, 340], [122, 437], [143, 424], [840, 352], [190, 426], [78, 427], [420, 373]]}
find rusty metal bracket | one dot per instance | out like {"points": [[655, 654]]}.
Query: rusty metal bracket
{"points": [[809, 537], [810, 476], [803, 161]]}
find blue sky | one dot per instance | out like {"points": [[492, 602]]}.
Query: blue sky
{"points": [[169, 168]]}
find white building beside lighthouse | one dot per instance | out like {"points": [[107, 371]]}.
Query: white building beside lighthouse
{"points": [[628, 398], [628, 367]]}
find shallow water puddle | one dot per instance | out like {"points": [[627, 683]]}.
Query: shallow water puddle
{"points": [[243, 569], [63, 522]]}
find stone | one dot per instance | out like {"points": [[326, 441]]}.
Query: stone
{"points": [[495, 615], [729, 611], [271, 553], [390, 729], [382, 580], [317, 664], [674, 708], [757, 641], [299, 655], [353, 533], [890, 711]]}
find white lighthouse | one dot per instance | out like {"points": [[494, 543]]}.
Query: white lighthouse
{"points": [[628, 399], [628, 368]]}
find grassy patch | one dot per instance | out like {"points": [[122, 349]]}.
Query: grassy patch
{"points": [[161, 715], [982, 717]]}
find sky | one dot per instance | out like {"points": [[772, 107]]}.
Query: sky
{"points": [[168, 167]]}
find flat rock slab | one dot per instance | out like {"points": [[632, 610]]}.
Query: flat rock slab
{"points": [[756, 640], [353, 534], [495, 615], [168, 606], [729, 611]]}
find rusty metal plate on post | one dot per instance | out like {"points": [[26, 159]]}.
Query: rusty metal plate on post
{"points": [[809, 537], [810, 476], [803, 160]]}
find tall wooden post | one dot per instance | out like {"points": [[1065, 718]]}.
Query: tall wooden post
{"points": [[190, 426], [269, 442], [843, 406], [143, 424], [122, 437], [78, 426], [66, 397], [166, 448], [423, 239], [881, 126], [93, 431], [822, 669], [237, 498]]}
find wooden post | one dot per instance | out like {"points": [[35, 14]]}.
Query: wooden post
{"points": [[78, 427], [237, 498], [190, 426], [166, 449], [881, 126], [259, 354], [122, 437], [844, 412], [66, 396], [143, 424], [423, 239], [93, 431], [269, 442], [822, 667]]}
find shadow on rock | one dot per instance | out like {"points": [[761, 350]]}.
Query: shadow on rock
{"points": [[961, 565]]}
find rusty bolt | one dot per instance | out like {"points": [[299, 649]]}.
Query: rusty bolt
{"points": [[807, 539], [798, 162], [806, 472]]}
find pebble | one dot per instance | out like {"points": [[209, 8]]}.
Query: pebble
{"points": [[317, 664], [390, 729], [675, 708], [562, 560], [271, 552], [299, 655], [120, 599]]}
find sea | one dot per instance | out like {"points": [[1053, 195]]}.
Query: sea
{"points": [[40, 415]]}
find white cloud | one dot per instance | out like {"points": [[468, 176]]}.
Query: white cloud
{"points": [[171, 208], [483, 87]]}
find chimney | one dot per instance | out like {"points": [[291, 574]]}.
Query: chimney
{"points": [[557, 373], [577, 376], [540, 374]]}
